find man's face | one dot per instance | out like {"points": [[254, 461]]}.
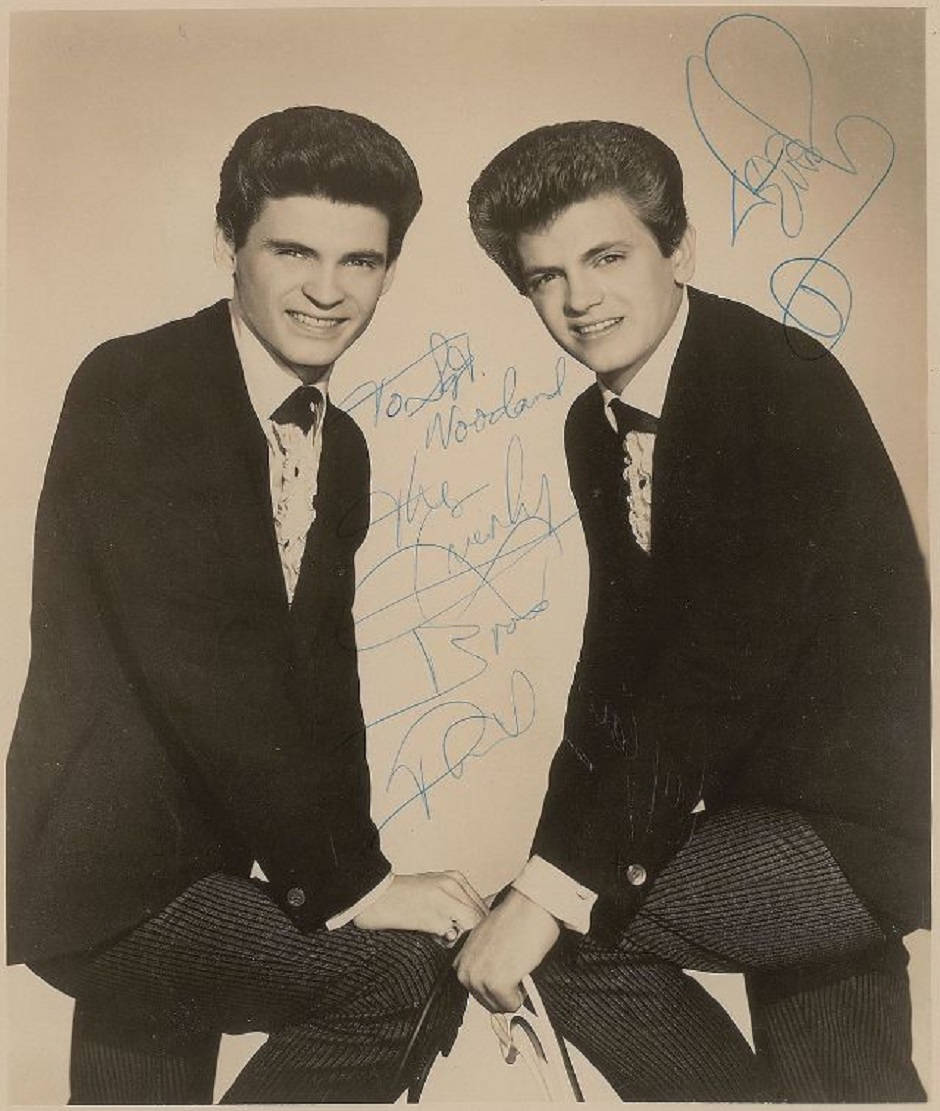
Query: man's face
{"points": [[599, 282], [308, 278]]}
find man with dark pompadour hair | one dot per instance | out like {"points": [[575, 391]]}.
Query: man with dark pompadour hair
{"points": [[192, 705], [742, 783]]}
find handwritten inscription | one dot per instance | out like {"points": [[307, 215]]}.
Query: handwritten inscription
{"points": [[457, 566], [765, 140], [432, 386]]}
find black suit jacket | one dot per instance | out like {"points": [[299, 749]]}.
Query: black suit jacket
{"points": [[773, 647], [179, 717]]}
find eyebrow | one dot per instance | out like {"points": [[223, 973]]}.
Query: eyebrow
{"points": [[369, 254], [289, 245], [536, 271], [603, 248], [311, 252], [586, 256]]}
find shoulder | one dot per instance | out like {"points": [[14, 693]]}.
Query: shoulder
{"points": [[131, 391], [585, 411], [345, 430], [344, 439], [741, 351], [773, 392], [126, 366]]}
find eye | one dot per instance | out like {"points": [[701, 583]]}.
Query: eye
{"points": [[609, 258], [363, 262], [290, 252], [539, 281]]}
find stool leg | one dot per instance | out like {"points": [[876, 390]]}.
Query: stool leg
{"points": [[419, 1056]]}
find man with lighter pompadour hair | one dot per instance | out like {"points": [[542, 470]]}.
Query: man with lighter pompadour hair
{"points": [[742, 783]]}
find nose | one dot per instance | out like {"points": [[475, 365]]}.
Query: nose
{"points": [[320, 285], [583, 293]]}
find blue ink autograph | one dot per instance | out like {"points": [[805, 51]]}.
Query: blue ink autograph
{"points": [[466, 732], [781, 172], [440, 375], [453, 580], [458, 426], [448, 362], [440, 575]]}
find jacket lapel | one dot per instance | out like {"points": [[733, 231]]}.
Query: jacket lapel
{"points": [[237, 454], [332, 496], [682, 460]]}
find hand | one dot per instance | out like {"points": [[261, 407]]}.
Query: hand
{"points": [[440, 903], [508, 945]]}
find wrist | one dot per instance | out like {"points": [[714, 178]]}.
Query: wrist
{"points": [[531, 914]]}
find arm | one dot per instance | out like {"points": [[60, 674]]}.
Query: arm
{"points": [[779, 532], [519, 932], [183, 585]]}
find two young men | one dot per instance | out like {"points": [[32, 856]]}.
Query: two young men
{"points": [[755, 638]]}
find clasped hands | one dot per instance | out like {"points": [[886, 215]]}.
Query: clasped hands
{"points": [[504, 944]]}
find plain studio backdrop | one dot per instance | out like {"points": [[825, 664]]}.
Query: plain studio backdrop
{"points": [[472, 583]]}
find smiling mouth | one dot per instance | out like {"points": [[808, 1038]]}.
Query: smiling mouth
{"points": [[597, 328], [312, 323]]}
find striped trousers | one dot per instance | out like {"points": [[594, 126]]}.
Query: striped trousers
{"points": [[339, 1006], [754, 891]]}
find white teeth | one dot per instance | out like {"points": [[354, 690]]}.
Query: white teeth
{"points": [[314, 321], [600, 326]]}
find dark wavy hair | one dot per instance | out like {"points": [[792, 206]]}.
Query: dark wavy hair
{"points": [[526, 185], [320, 152]]}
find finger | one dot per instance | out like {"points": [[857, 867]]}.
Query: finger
{"points": [[463, 892], [497, 1000], [456, 909], [507, 1000], [484, 998], [452, 934], [461, 923], [470, 891]]}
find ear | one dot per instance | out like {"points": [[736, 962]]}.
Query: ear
{"points": [[223, 251], [683, 257], [389, 277]]}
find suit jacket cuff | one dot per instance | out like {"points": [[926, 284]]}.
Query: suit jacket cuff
{"points": [[310, 898], [346, 916]]}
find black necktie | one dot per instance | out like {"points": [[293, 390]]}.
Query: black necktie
{"points": [[300, 408], [630, 419]]}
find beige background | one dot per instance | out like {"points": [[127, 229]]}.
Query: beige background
{"points": [[117, 125]]}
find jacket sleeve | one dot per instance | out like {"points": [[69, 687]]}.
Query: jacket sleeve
{"points": [[203, 657], [803, 525]]}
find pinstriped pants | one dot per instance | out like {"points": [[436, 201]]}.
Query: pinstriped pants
{"points": [[753, 891], [339, 1007]]}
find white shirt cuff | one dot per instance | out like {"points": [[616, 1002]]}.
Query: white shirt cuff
{"points": [[346, 916], [555, 891]]}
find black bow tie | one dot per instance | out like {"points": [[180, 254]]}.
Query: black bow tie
{"points": [[300, 408], [630, 419]]}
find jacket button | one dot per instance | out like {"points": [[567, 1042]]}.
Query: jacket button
{"points": [[636, 874], [296, 897]]}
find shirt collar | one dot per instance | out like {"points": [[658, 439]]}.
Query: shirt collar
{"points": [[268, 382], [647, 389]]}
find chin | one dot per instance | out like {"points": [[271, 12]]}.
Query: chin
{"points": [[313, 355], [609, 368]]}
